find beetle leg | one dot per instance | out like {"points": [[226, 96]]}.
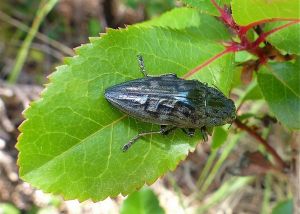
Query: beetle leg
{"points": [[144, 72], [162, 130], [142, 65], [216, 87], [165, 131], [185, 132], [204, 133], [190, 132], [138, 136]]}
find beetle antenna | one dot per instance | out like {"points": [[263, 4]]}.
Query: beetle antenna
{"points": [[216, 87], [142, 65]]}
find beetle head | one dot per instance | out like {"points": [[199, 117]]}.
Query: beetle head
{"points": [[219, 108]]}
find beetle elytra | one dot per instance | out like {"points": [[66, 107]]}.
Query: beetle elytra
{"points": [[171, 102]]}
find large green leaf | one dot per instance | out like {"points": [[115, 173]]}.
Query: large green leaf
{"points": [[143, 201], [280, 86], [206, 6], [287, 39], [72, 138], [248, 11]]}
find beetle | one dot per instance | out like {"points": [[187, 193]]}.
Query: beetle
{"points": [[171, 102]]}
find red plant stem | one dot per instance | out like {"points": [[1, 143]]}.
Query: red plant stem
{"points": [[217, 6], [280, 163], [242, 30], [225, 16], [263, 36], [246, 28], [252, 47], [194, 70]]}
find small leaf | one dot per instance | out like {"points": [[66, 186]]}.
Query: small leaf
{"points": [[219, 137], [94, 27], [8, 208], [286, 39], [247, 11], [252, 92], [246, 116], [243, 56], [206, 6], [285, 207], [280, 86], [143, 201], [72, 138]]}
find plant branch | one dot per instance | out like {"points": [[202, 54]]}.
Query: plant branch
{"points": [[194, 70], [225, 16], [245, 43], [263, 36], [217, 6], [280, 163], [246, 28]]}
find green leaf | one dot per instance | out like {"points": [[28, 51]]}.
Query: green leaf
{"points": [[8, 208], [94, 27], [181, 18], [247, 11], [191, 19], [246, 116], [219, 137], [206, 6], [252, 92], [279, 83], [151, 8], [72, 138], [286, 39], [196, 24], [143, 201], [243, 56], [285, 207]]}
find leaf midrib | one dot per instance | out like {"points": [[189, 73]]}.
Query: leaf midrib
{"points": [[75, 145]]}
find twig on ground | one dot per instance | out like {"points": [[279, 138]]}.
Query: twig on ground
{"points": [[280, 163]]}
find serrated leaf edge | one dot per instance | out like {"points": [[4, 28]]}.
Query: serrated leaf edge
{"points": [[51, 81]]}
